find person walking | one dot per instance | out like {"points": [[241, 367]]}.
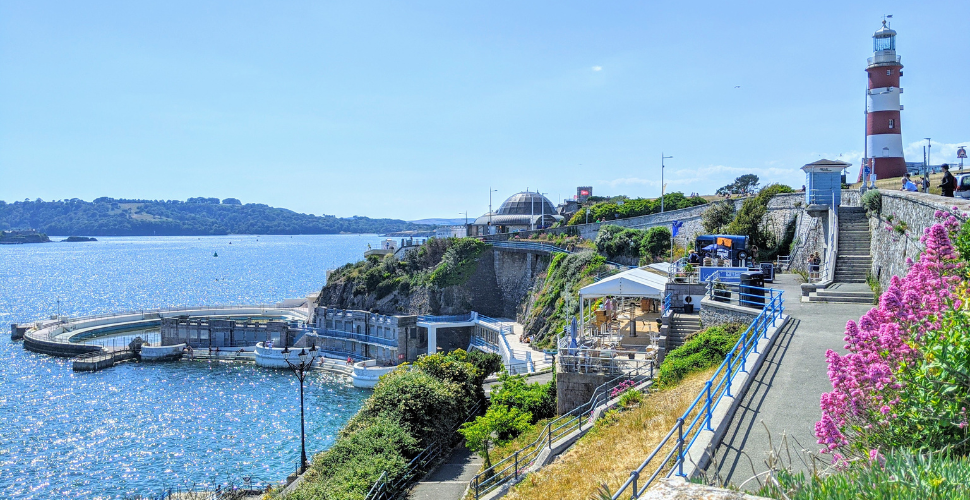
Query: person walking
{"points": [[949, 182]]}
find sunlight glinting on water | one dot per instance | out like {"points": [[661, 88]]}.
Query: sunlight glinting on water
{"points": [[140, 428]]}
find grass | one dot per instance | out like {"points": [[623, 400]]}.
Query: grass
{"points": [[894, 183], [507, 449], [904, 476], [614, 449]]}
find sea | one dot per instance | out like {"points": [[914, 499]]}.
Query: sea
{"points": [[139, 429]]}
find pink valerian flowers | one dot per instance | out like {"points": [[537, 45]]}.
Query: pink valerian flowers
{"points": [[885, 339]]}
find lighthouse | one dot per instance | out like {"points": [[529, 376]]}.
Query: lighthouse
{"points": [[884, 143]]}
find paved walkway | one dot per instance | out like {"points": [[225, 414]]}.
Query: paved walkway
{"points": [[450, 479], [784, 397]]}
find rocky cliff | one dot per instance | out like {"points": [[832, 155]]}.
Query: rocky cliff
{"points": [[440, 278]]}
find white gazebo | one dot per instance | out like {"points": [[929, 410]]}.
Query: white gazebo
{"points": [[631, 283]]}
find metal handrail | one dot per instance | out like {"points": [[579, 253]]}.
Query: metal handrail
{"points": [[524, 245], [383, 489], [700, 411], [359, 337], [509, 468]]}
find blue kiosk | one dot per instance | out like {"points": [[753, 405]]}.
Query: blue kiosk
{"points": [[823, 183]]}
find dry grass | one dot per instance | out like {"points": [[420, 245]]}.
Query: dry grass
{"points": [[608, 454], [893, 183]]}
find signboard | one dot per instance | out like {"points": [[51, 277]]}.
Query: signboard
{"points": [[961, 153], [726, 274]]}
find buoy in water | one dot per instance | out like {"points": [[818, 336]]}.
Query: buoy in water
{"points": [[215, 254]]}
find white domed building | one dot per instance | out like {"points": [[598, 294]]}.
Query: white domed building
{"points": [[520, 212]]}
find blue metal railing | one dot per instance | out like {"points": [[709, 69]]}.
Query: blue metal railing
{"points": [[511, 467], [698, 414], [744, 295], [666, 304]]}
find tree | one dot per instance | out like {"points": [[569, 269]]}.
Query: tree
{"points": [[716, 218], [656, 242], [745, 184], [499, 423]]}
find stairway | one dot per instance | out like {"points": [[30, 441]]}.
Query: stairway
{"points": [[853, 262], [681, 327]]}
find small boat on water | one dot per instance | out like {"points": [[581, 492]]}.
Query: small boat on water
{"points": [[215, 254]]}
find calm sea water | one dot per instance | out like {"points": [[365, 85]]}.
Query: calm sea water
{"points": [[138, 429]]}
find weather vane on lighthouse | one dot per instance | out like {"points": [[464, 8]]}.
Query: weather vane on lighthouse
{"points": [[884, 142]]}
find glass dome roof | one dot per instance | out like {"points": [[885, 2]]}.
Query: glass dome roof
{"points": [[526, 203]]}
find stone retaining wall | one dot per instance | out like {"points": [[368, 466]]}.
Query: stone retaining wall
{"points": [[718, 313], [890, 249]]}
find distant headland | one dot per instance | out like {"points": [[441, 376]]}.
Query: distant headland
{"points": [[19, 237], [193, 217]]}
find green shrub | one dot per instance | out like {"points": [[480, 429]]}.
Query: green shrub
{"points": [[537, 399], [458, 262], [349, 468], [904, 475], [717, 217], [872, 201], [704, 350], [747, 222], [655, 242], [410, 408], [630, 398]]}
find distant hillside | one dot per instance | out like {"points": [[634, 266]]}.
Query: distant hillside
{"points": [[196, 216], [443, 222]]}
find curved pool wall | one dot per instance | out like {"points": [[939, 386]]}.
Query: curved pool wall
{"points": [[60, 337]]}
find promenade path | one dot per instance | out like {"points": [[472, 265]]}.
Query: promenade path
{"points": [[783, 399], [450, 479]]}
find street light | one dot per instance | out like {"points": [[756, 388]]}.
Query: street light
{"points": [[490, 191], [301, 369], [929, 149], [662, 158], [542, 203]]}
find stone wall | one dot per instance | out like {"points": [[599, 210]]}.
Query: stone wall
{"points": [[890, 249], [719, 313], [515, 275], [575, 389]]}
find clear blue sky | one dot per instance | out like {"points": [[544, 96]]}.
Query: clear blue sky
{"points": [[413, 109]]}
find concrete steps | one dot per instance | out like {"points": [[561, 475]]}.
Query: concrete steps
{"points": [[843, 297], [682, 326], [854, 261]]}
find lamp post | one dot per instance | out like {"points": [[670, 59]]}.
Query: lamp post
{"points": [[542, 203], [490, 191], [301, 369], [929, 149], [662, 158]]}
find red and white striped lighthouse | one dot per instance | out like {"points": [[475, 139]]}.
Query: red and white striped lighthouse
{"points": [[884, 142]]}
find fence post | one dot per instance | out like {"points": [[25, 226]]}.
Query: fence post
{"points": [[550, 435], [707, 387], [476, 487], [680, 446], [636, 475], [516, 464], [730, 357]]}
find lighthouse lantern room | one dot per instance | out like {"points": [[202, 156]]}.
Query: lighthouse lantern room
{"points": [[884, 142]]}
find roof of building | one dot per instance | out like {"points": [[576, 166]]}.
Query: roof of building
{"points": [[526, 203], [884, 32], [522, 209]]}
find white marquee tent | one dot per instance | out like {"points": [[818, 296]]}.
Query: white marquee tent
{"points": [[630, 283]]}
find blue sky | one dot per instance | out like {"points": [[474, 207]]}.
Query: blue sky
{"points": [[413, 109]]}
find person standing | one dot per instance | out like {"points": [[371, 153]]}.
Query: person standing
{"points": [[949, 182], [926, 183]]}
